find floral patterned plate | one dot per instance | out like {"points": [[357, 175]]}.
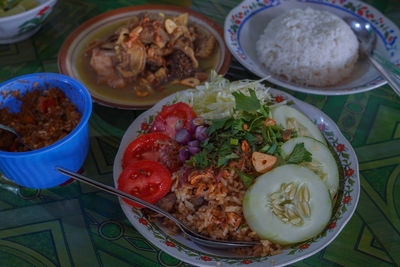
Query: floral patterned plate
{"points": [[246, 22], [189, 252]]}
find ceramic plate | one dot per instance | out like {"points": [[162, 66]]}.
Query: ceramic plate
{"points": [[189, 252], [246, 22], [71, 53]]}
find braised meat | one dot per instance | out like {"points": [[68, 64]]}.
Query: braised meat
{"points": [[150, 51]]}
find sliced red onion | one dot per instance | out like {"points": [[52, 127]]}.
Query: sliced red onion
{"points": [[183, 136], [200, 133], [179, 125], [185, 175], [221, 171], [184, 154], [196, 122], [193, 143], [194, 149]]}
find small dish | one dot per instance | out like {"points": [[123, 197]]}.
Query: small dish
{"points": [[185, 250], [247, 21], [73, 47], [36, 168], [23, 25]]}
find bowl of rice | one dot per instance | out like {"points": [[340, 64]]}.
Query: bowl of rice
{"points": [[307, 46]]}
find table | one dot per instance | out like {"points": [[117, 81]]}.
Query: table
{"points": [[76, 225]]}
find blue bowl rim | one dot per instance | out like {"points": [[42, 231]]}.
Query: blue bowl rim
{"points": [[84, 120]]}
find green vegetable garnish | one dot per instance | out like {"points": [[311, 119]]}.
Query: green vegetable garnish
{"points": [[247, 179], [299, 155], [247, 103]]}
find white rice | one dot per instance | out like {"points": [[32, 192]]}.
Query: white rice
{"points": [[308, 47]]}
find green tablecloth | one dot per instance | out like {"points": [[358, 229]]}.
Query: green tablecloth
{"points": [[76, 225]]}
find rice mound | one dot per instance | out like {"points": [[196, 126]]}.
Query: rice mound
{"points": [[308, 47]]}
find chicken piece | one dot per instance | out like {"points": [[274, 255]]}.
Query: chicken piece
{"points": [[137, 60], [102, 63], [155, 58], [161, 37], [167, 202], [204, 44]]}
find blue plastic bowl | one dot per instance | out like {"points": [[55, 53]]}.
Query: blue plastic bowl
{"points": [[36, 169]]}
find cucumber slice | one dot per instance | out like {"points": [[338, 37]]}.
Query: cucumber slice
{"points": [[287, 205], [291, 118], [323, 163]]}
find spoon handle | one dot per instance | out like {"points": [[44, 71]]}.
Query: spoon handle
{"points": [[389, 71]]}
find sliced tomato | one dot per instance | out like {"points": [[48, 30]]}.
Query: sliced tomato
{"points": [[145, 179], [153, 146], [170, 116]]}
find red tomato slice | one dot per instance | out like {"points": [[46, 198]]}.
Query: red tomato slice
{"points": [[170, 115], [153, 146], [145, 179]]}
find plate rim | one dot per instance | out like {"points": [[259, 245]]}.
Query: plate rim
{"points": [[292, 86], [300, 105], [66, 45]]}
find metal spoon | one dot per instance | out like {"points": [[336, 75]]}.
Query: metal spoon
{"points": [[195, 237], [13, 131], [367, 39]]}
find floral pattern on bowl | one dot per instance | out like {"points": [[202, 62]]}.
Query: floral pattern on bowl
{"points": [[246, 22], [189, 252], [21, 26]]}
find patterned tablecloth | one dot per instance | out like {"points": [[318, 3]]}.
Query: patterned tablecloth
{"points": [[76, 225]]}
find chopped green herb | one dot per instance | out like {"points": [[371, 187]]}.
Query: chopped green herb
{"points": [[272, 148], [247, 179], [234, 141], [216, 125], [265, 148], [251, 139], [299, 155], [223, 160], [200, 160], [247, 103]]}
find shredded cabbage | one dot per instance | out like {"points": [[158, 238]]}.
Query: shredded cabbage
{"points": [[214, 99]]}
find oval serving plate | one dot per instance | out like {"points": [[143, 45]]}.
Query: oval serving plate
{"points": [[72, 50], [247, 21], [189, 252]]}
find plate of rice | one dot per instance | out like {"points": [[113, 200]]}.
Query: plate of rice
{"points": [[306, 46], [215, 188]]}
